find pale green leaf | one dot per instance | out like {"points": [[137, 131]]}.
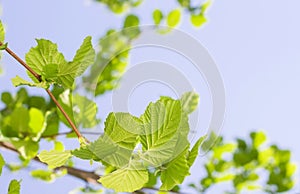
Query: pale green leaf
{"points": [[2, 163], [173, 18], [175, 171], [45, 175], [84, 111], [195, 150], [198, 20], [189, 101], [59, 146], [164, 130], [126, 179], [205, 6], [43, 54], [18, 81], [157, 16], [50, 72], [36, 122], [27, 148], [2, 32], [85, 55], [14, 187], [54, 158]]}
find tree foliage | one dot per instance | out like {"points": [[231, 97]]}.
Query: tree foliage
{"points": [[137, 152]]}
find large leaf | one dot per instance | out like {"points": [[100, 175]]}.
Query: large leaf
{"points": [[14, 187], [54, 158], [162, 122]]}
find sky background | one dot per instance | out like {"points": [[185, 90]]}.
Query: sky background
{"points": [[256, 45]]}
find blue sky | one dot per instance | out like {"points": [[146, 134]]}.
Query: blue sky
{"points": [[255, 44]]}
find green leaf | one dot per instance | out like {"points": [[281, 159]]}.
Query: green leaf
{"points": [[36, 122], [18, 81], [127, 179], [85, 56], [131, 21], [3, 46], [59, 146], [205, 6], [2, 32], [115, 147], [175, 172], [54, 158], [50, 72], [198, 20], [84, 111], [7, 98], [27, 148], [258, 138], [14, 187], [2, 163], [84, 153], [195, 150], [173, 18], [189, 101], [43, 54], [45, 175], [164, 130], [157, 16]]}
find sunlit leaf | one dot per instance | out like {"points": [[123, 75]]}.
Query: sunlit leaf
{"points": [[173, 18], [14, 187], [54, 158]]}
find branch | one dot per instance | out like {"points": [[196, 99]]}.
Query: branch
{"points": [[86, 176], [38, 77]]}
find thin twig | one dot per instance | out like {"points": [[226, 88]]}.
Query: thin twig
{"points": [[37, 76], [70, 132]]}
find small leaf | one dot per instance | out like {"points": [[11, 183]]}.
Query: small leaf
{"points": [[18, 81], [2, 32], [198, 20], [14, 187], [27, 148], [3, 46], [189, 101], [173, 18], [157, 16], [131, 21], [2, 163], [54, 158], [45, 175], [85, 55], [195, 150]]}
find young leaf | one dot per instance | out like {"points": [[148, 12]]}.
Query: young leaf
{"points": [[27, 148], [157, 16], [43, 54], [85, 56], [131, 21], [195, 150], [18, 81], [45, 175], [54, 158], [127, 179], [85, 111], [2, 163], [173, 18], [175, 172], [2, 32], [14, 187], [189, 101], [198, 20]]}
